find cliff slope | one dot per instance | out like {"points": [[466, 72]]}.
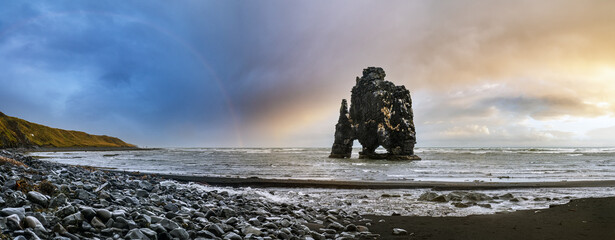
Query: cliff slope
{"points": [[19, 133]]}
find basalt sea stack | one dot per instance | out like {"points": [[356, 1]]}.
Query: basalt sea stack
{"points": [[380, 115]]}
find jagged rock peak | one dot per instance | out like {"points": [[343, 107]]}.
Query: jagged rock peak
{"points": [[373, 73]]}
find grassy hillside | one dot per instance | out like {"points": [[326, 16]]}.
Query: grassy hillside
{"points": [[15, 132]]}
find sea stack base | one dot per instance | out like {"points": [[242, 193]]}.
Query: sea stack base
{"points": [[339, 156], [387, 156]]}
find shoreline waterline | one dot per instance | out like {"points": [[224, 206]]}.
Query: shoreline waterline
{"points": [[309, 183]]}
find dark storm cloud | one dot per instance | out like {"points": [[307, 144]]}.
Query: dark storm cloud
{"points": [[99, 68]]}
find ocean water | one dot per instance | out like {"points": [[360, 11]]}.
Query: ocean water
{"points": [[438, 164]]}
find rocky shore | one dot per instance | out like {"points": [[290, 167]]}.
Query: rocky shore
{"points": [[44, 200]]}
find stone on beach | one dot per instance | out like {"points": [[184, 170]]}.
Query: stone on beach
{"points": [[399, 231], [21, 212], [38, 198]]}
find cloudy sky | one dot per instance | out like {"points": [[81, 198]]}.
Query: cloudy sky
{"points": [[272, 73]]}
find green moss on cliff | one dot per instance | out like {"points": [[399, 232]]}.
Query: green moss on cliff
{"points": [[15, 132]]}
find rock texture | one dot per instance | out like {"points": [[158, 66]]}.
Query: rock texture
{"points": [[380, 115], [86, 203]]}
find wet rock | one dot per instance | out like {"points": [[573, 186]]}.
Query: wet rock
{"points": [[251, 230], [17, 199], [234, 236], [254, 222], [227, 212], [132, 201], [21, 212], [206, 234], [85, 226], [10, 184], [164, 236], [399, 231], [460, 205], [148, 232], [73, 219], [101, 187], [270, 225], [231, 221], [476, 197], [180, 233], [88, 213], [58, 228], [336, 226], [121, 222], [118, 213], [455, 196], [440, 198], [428, 196], [171, 207], [506, 196], [485, 205], [142, 193], [168, 224], [135, 234], [216, 229], [280, 235], [20, 237], [32, 235], [12, 222], [158, 228], [285, 223], [386, 195], [143, 220], [58, 201], [210, 213], [3, 224], [65, 211], [83, 194], [380, 115], [350, 228], [33, 222], [317, 236], [38, 198], [97, 223], [104, 214], [362, 229]]}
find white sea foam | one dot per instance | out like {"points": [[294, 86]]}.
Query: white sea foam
{"points": [[438, 164]]}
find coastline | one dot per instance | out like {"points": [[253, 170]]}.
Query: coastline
{"points": [[539, 225], [587, 218], [301, 183], [77, 149]]}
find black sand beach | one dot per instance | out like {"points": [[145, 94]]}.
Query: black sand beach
{"points": [[592, 218]]}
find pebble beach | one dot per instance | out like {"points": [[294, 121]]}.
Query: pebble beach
{"points": [[45, 200]]}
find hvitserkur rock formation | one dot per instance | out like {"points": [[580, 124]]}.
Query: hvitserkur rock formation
{"points": [[380, 115]]}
